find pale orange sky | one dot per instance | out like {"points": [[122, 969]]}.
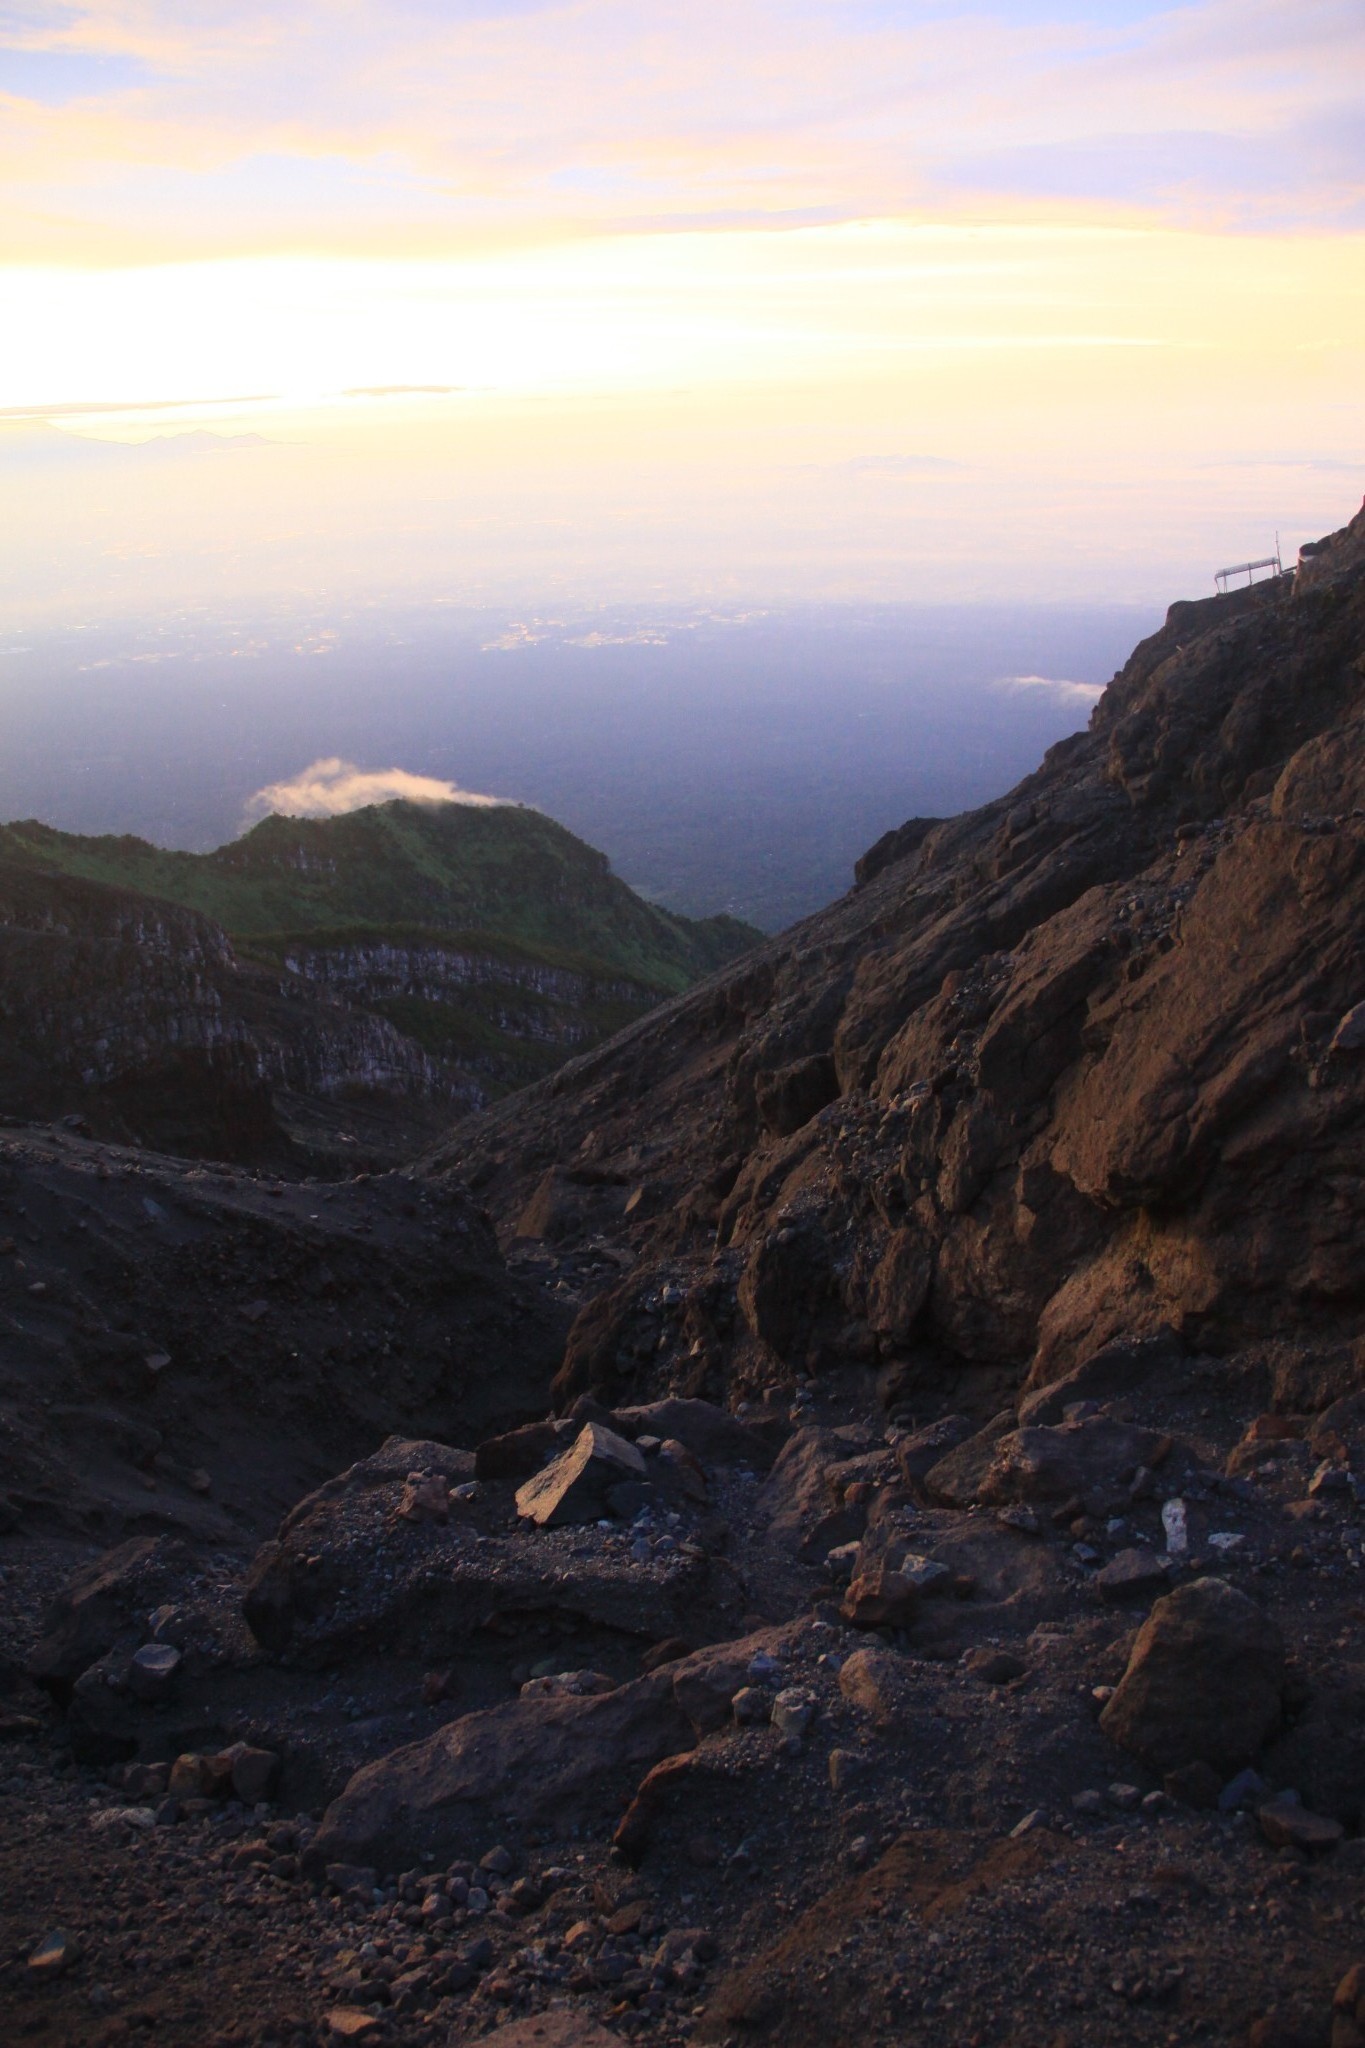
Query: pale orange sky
{"points": [[854, 298]]}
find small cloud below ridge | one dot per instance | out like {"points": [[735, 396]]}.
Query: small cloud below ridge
{"points": [[329, 787], [1067, 692]]}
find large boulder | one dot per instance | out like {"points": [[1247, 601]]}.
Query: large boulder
{"points": [[1100, 1455], [574, 1486], [354, 1575], [709, 1432], [1204, 1682], [549, 1757]]}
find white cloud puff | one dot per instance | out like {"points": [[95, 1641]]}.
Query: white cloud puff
{"points": [[328, 787], [1066, 692]]}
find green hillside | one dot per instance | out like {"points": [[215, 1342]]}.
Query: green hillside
{"points": [[489, 874]]}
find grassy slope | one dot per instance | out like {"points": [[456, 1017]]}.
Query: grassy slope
{"points": [[483, 873]]}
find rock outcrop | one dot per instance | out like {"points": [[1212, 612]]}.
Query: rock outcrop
{"points": [[1075, 1069]]}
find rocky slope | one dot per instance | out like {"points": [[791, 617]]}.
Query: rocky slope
{"points": [[1083, 1064], [927, 1610]]}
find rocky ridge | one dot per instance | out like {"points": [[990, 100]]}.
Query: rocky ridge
{"points": [[925, 1606]]}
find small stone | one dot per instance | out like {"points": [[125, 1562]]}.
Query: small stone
{"points": [[353, 2023], [1038, 1818], [846, 1767], [498, 1861], [926, 1575], [54, 1954], [1194, 1785], [993, 1667], [1329, 1479], [1350, 1990], [1247, 1789], [1126, 1797], [793, 1710], [1286, 1825], [1133, 1575], [152, 1670], [752, 1705], [1090, 1803], [1175, 1522], [190, 1777], [425, 1498], [1023, 1520]]}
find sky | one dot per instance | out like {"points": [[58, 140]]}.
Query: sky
{"points": [[616, 300]]}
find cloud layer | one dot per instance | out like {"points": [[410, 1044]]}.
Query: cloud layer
{"points": [[330, 786]]}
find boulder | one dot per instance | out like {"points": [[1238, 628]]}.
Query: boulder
{"points": [[1132, 1575], [1203, 1684], [801, 1487], [555, 1758], [880, 1598], [574, 1486], [954, 1481], [353, 1576], [517, 1453], [709, 1432], [1288, 1825], [918, 1453], [874, 1680], [1042, 1464], [1121, 1369]]}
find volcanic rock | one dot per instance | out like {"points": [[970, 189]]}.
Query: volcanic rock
{"points": [[1204, 1682], [557, 1757], [574, 1487]]}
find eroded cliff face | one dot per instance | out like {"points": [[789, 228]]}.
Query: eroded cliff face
{"points": [[138, 1017], [1080, 1065]]}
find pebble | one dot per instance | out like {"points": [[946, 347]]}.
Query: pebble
{"points": [[846, 1767], [54, 1954], [1038, 1818]]}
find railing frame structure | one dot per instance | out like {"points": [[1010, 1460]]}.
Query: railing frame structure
{"points": [[1248, 569]]}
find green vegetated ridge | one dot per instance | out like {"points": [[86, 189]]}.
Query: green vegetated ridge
{"points": [[489, 934], [485, 873]]}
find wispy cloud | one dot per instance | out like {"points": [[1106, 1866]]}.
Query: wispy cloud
{"points": [[331, 786], [249, 125], [1057, 687]]}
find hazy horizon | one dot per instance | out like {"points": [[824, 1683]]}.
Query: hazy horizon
{"points": [[723, 761]]}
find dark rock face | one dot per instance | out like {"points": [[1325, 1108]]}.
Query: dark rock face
{"points": [[557, 1756], [190, 1348], [1080, 1072], [1204, 1684]]}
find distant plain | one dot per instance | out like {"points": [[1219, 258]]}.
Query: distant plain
{"points": [[725, 761]]}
